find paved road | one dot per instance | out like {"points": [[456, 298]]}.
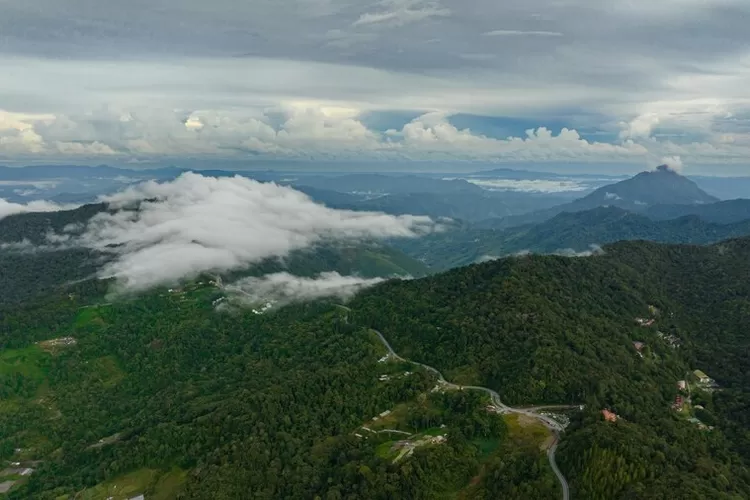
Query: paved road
{"points": [[553, 425], [551, 456]]}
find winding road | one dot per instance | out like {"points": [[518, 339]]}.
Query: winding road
{"points": [[550, 423]]}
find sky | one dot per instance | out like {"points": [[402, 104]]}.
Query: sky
{"points": [[537, 82]]}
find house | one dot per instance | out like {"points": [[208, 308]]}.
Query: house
{"points": [[702, 377], [385, 413], [682, 385], [639, 346], [678, 403], [609, 416]]}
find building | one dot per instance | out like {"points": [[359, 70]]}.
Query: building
{"points": [[678, 403], [702, 377], [682, 385], [609, 416]]}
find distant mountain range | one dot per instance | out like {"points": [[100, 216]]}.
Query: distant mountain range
{"points": [[566, 233]]}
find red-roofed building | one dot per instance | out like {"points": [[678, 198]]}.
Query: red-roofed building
{"points": [[609, 416]]}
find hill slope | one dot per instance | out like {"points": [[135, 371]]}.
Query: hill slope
{"points": [[560, 330], [165, 396], [565, 232]]}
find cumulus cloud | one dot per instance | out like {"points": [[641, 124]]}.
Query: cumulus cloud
{"points": [[673, 163], [434, 132], [640, 127], [283, 288], [7, 208], [159, 233]]}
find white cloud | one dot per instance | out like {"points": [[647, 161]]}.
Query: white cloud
{"points": [[640, 127], [674, 163], [433, 132], [593, 250], [7, 208], [283, 288], [195, 224]]}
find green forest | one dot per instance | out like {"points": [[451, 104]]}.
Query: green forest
{"points": [[162, 394]]}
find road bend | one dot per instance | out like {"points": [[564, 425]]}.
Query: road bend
{"points": [[550, 423]]}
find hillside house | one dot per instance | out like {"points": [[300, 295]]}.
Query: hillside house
{"points": [[678, 403], [609, 416], [682, 385]]}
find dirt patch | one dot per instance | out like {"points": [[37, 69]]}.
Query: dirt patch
{"points": [[525, 420]]}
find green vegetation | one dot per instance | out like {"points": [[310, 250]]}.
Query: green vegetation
{"points": [[561, 330], [163, 395]]}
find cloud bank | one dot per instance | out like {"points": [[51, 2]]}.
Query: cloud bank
{"points": [[7, 208], [283, 288], [163, 232]]}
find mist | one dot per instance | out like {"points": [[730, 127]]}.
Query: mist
{"points": [[161, 233], [284, 288]]}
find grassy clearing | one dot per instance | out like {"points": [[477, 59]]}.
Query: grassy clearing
{"points": [[123, 487], [169, 485], [384, 450], [154, 484], [88, 318], [525, 430], [28, 362]]}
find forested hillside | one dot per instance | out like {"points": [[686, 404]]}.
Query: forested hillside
{"points": [[562, 330], [567, 232], [165, 395]]}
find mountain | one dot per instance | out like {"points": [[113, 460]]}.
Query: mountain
{"points": [[722, 212], [162, 395], [566, 232], [661, 186]]}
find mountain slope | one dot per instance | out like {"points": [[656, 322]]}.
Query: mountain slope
{"points": [[182, 401], [562, 330], [723, 212], [658, 187], [576, 231]]}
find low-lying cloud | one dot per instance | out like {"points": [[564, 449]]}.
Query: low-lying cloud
{"points": [[569, 252], [8, 208], [198, 224], [529, 185], [284, 288]]}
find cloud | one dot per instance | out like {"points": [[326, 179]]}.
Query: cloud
{"points": [[593, 250], [197, 224], [639, 127], [521, 33], [529, 186], [283, 288], [7, 208], [673, 163]]}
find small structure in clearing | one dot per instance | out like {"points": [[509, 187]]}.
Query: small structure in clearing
{"points": [[609, 416]]}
